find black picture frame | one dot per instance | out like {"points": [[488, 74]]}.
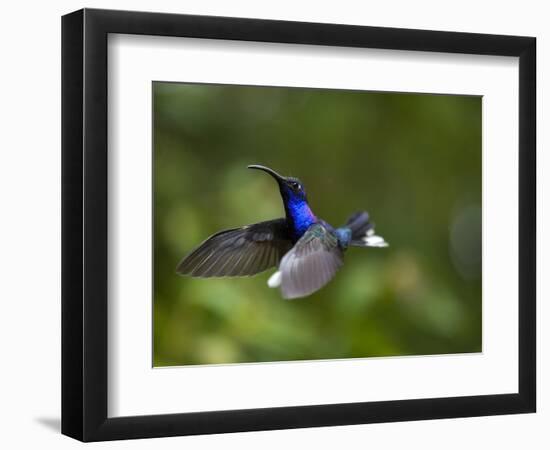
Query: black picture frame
{"points": [[84, 224]]}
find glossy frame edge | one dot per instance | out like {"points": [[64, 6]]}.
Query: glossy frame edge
{"points": [[84, 225]]}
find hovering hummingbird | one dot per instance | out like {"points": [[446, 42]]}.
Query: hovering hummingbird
{"points": [[307, 250]]}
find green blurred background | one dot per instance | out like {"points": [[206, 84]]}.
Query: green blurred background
{"points": [[412, 160]]}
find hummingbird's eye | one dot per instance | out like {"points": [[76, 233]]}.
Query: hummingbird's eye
{"points": [[295, 185]]}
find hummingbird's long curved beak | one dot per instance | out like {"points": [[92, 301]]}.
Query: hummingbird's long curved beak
{"points": [[271, 172]]}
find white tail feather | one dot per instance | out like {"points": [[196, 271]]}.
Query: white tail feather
{"points": [[375, 241]]}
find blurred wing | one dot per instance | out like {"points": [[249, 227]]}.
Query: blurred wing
{"points": [[238, 252], [311, 263]]}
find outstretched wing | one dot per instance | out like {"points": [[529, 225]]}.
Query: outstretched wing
{"points": [[239, 252], [311, 263]]}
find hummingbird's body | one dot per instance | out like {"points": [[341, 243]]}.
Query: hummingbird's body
{"points": [[307, 250]]}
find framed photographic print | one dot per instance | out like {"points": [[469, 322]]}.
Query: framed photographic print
{"points": [[273, 224]]}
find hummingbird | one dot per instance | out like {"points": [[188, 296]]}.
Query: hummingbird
{"points": [[306, 250]]}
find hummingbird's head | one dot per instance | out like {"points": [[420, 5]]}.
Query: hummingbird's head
{"points": [[291, 188]]}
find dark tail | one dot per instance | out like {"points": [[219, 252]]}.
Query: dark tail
{"points": [[362, 231], [359, 223]]}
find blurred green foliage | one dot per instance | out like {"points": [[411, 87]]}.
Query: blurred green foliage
{"points": [[412, 160]]}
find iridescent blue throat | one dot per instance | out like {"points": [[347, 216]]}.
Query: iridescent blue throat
{"points": [[299, 216]]}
